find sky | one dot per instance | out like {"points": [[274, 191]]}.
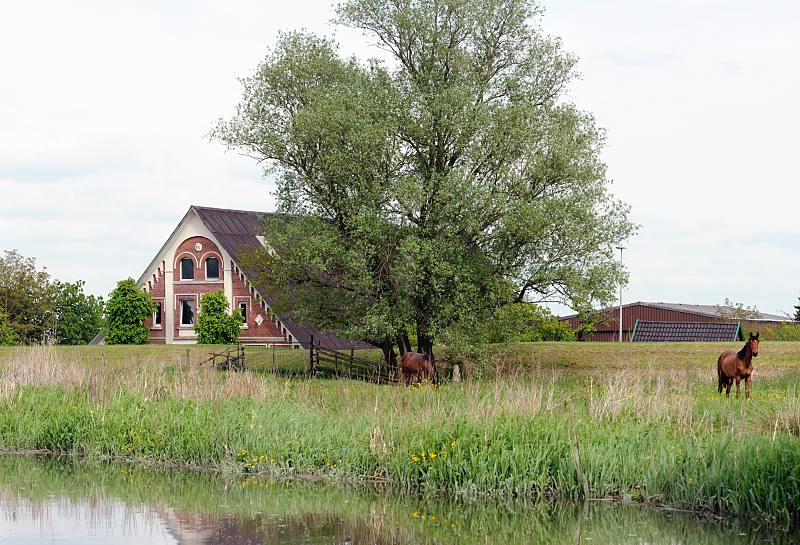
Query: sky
{"points": [[105, 110]]}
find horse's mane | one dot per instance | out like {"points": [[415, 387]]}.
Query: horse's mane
{"points": [[741, 353]]}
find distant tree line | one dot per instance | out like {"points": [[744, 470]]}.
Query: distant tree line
{"points": [[36, 308]]}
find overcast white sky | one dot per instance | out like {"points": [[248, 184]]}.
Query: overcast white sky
{"points": [[105, 107]]}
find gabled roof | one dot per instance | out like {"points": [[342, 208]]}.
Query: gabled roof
{"points": [[701, 310], [713, 310], [650, 331], [238, 231]]}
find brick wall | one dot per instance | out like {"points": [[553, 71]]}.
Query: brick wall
{"points": [[198, 249], [156, 287], [241, 293]]}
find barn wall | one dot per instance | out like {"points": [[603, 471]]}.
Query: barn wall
{"points": [[608, 328]]}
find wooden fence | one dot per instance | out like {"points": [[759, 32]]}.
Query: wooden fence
{"points": [[230, 359], [328, 362]]}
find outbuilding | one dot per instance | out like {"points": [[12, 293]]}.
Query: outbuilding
{"points": [[673, 321]]}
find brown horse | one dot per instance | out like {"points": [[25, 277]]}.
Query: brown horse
{"points": [[414, 364], [737, 366]]}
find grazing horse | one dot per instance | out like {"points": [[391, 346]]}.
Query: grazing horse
{"points": [[737, 366], [414, 364]]}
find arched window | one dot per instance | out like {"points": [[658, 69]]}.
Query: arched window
{"points": [[212, 268], [187, 269]]}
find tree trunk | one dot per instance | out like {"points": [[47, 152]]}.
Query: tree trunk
{"points": [[425, 346], [389, 355], [403, 343]]}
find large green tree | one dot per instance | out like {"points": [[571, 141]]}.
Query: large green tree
{"points": [[424, 193], [126, 311], [27, 297], [79, 316]]}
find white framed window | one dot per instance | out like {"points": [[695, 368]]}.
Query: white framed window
{"points": [[187, 312], [243, 311], [157, 316], [187, 269], [212, 268]]}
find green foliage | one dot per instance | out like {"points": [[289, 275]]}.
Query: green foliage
{"points": [[79, 316], [435, 191], [7, 334], [797, 312], [526, 322], [731, 310], [127, 309], [588, 320], [783, 332], [27, 297], [215, 325]]}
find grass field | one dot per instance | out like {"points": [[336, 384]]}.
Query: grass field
{"points": [[514, 359], [556, 420]]}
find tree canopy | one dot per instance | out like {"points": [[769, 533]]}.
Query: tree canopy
{"points": [[423, 193], [27, 298], [79, 316], [127, 309]]}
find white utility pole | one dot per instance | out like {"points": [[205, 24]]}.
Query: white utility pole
{"points": [[620, 248]]}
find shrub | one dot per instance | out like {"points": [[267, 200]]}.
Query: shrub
{"points": [[526, 322], [784, 332], [127, 309], [214, 324]]}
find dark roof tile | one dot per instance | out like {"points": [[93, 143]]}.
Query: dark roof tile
{"points": [[650, 331]]}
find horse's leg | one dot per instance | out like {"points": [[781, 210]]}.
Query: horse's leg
{"points": [[728, 384], [721, 382], [738, 380], [747, 387]]}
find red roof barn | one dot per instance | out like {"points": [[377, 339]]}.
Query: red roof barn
{"points": [[666, 314]]}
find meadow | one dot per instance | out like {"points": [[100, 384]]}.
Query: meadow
{"points": [[549, 420]]}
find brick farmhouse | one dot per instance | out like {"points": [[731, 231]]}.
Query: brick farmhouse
{"points": [[200, 256]]}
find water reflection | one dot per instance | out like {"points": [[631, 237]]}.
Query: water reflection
{"points": [[45, 500]]}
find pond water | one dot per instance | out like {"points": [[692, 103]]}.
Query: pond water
{"points": [[62, 501]]}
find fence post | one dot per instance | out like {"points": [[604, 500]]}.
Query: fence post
{"points": [[311, 357]]}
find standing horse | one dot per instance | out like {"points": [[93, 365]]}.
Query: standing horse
{"points": [[414, 364], [737, 366]]}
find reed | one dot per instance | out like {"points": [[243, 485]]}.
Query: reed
{"points": [[191, 503], [641, 432]]}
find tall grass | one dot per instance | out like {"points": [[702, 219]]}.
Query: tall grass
{"points": [[640, 433]]}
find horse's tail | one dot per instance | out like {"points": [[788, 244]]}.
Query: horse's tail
{"points": [[720, 375]]}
